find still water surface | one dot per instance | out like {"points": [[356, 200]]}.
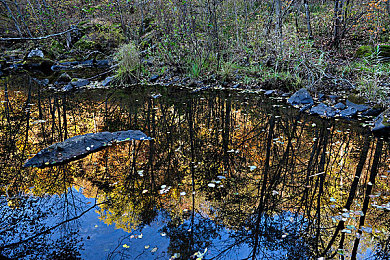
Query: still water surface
{"points": [[228, 175]]}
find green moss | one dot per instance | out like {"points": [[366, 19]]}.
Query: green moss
{"points": [[85, 44], [357, 99], [364, 51]]}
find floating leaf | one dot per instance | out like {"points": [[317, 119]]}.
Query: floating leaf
{"points": [[163, 234], [147, 247], [211, 185], [154, 249], [126, 246], [182, 193], [252, 168]]}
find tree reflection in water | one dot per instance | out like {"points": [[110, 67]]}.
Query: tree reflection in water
{"points": [[243, 176]]}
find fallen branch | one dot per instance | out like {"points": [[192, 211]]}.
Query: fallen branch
{"points": [[36, 38]]}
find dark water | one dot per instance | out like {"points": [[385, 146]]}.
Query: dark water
{"points": [[229, 175]]}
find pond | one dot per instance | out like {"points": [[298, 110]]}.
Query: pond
{"points": [[227, 175]]}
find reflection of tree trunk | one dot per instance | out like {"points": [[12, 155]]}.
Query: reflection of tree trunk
{"points": [[27, 109], [64, 118], [370, 185], [192, 166], [321, 168], [226, 132], [261, 208], [150, 122], [40, 114], [352, 192]]}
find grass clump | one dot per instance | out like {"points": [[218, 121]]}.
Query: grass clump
{"points": [[129, 64]]}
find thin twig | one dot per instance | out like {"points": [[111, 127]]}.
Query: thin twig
{"points": [[36, 38]]}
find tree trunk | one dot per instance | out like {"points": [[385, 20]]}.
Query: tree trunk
{"points": [[308, 20]]}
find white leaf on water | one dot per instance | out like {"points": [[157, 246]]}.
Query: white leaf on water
{"points": [[163, 234], [154, 249], [144, 191], [211, 185], [252, 168], [182, 193], [147, 247]]}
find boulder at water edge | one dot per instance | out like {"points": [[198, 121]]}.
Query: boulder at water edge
{"points": [[301, 97]]}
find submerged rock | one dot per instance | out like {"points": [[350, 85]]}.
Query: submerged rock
{"points": [[323, 110], [301, 97], [382, 123], [79, 146], [372, 112]]}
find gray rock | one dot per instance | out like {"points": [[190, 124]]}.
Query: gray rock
{"points": [[43, 82], [305, 107], [340, 106], [323, 110], [36, 54], [80, 83], [348, 112], [103, 63], [79, 146], [382, 124], [67, 88], [61, 67], [107, 81], [301, 97], [359, 108], [270, 92], [154, 78], [64, 77]]}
